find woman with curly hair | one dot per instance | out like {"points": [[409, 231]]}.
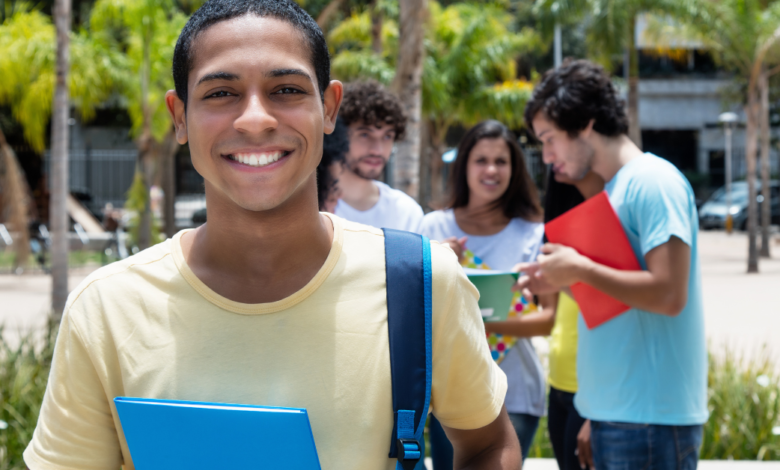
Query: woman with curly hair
{"points": [[334, 147]]}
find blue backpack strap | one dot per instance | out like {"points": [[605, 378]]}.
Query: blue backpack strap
{"points": [[409, 300]]}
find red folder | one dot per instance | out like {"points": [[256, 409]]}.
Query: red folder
{"points": [[594, 230]]}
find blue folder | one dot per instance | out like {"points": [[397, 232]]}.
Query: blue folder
{"points": [[173, 435]]}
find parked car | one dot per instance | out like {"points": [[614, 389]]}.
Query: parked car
{"points": [[713, 213]]}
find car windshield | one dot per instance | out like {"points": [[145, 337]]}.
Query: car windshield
{"points": [[739, 194]]}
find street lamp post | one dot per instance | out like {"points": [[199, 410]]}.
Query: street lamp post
{"points": [[728, 120]]}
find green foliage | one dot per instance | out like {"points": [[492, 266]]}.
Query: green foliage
{"points": [[744, 404], [471, 51], [136, 203], [146, 32], [24, 371], [27, 67]]}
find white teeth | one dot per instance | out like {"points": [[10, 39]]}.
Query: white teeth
{"points": [[257, 160]]}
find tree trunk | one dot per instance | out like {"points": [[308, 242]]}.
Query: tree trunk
{"points": [[15, 202], [328, 13], [766, 205], [407, 85], [58, 214], [634, 129], [376, 28], [170, 148], [426, 155], [146, 167], [751, 111]]}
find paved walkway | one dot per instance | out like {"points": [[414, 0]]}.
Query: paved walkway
{"points": [[550, 464], [742, 310]]}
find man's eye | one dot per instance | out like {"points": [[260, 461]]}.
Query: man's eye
{"points": [[288, 91], [220, 94]]}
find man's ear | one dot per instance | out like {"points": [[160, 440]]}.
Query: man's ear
{"points": [[588, 131], [179, 116], [332, 102]]}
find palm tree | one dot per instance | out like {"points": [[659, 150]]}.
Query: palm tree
{"points": [[408, 85], [35, 63], [744, 37], [468, 73], [147, 31], [59, 162]]}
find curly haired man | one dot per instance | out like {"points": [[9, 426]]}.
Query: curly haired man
{"points": [[374, 120]]}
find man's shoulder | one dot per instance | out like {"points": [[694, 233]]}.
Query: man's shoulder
{"points": [[398, 197], [132, 273]]}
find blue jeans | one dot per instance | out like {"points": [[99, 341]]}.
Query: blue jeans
{"points": [[441, 449], [629, 446], [525, 426]]}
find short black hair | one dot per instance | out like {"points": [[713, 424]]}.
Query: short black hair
{"points": [[372, 104], [214, 11], [334, 149], [521, 199], [573, 94]]}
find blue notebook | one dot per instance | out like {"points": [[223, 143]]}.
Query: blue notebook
{"points": [[173, 435]]}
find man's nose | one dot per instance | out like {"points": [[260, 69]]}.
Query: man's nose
{"points": [[255, 117], [548, 156]]}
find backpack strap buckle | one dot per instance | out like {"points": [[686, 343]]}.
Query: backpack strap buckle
{"points": [[409, 453]]}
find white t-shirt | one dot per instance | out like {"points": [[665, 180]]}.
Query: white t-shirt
{"points": [[519, 242], [394, 209]]}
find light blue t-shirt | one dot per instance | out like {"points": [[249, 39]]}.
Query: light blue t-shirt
{"points": [[643, 367]]}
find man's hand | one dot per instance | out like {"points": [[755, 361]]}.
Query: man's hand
{"points": [[584, 452], [457, 245], [493, 447], [556, 267]]}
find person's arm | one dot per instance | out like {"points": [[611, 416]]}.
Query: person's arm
{"points": [[662, 289], [494, 446], [539, 323]]}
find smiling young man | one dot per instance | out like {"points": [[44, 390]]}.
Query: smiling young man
{"points": [[643, 375], [271, 302], [375, 120]]}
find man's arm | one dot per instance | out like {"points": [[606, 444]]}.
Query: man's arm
{"points": [[662, 289], [534, 324], [494, 446]]}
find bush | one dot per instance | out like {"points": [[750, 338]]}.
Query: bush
{"points": [[24, 370], [744, 404]]}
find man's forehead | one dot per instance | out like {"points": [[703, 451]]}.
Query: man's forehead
{"points": [[247, 43]]}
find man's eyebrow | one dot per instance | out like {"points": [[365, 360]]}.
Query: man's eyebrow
{"points": [[539, 135], [218, 76], [282, 72]]}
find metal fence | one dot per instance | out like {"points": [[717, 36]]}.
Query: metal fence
{"points": [[99, 176]]}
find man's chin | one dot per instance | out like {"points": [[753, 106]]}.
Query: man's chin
{"points": [[369, 174]]}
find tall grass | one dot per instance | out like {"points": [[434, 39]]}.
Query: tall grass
{"points": [[24, 370], [744, 404]]}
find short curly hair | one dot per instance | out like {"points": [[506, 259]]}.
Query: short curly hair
{"points": [[573, 94], [370, 103]]}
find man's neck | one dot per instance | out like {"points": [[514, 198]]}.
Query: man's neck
{"points": [[612, 153], [259, 257], [360, 193]]}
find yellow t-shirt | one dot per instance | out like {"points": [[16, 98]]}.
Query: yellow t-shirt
{"points": [[563, 346], [148, 327]]}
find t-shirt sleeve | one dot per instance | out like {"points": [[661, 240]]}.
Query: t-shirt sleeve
{"points": [[468, 388], [75, 427], [663, 205]]}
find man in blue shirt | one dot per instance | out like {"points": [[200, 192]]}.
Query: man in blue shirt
{"points": [[642, 375]]}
